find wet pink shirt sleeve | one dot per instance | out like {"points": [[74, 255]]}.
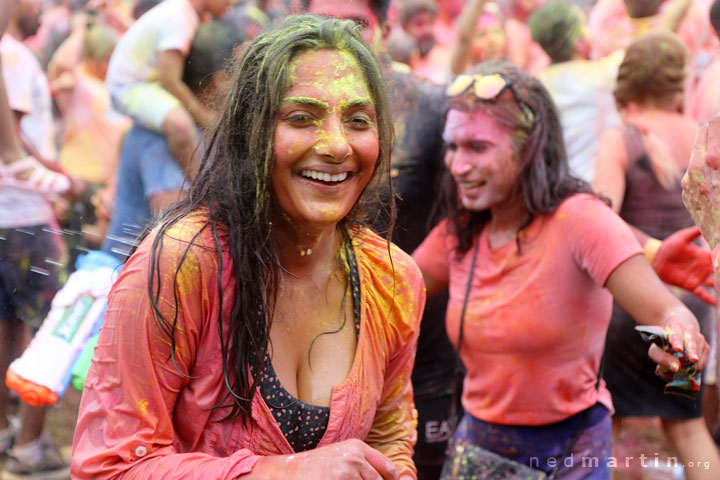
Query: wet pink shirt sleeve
{"points": [[599, 239], [394, 428], [126, 423]]}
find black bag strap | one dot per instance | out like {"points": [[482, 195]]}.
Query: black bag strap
{"points": [[459, 373], [458, 363]]}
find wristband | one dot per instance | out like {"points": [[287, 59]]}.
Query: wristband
{"points": [[651, 247]]}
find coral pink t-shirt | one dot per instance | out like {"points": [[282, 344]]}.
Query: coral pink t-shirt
{"points": [[536, 322]]}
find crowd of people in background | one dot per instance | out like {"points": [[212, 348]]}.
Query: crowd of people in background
{"points": [[538, 149]]}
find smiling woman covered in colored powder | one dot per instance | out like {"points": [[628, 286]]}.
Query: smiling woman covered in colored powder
{"points": [[261, 331], [533, 258]]}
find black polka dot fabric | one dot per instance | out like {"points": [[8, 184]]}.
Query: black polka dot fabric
{"points": [[304, 424]]}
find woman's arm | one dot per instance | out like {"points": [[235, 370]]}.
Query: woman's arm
{"points": [[432, 285], [675, 13], [351, 459], [10, 148], [393, 432], [604, 246], [461, 55], [611, 167], [432, 256], [641, 293], [127, 420], [679, 262]]}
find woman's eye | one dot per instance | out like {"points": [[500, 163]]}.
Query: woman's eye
{"points": [[360, 121], [451, 147], [300, 119]]}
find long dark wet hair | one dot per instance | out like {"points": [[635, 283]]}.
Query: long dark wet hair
{"points": [[544, 178], [233, 186]]}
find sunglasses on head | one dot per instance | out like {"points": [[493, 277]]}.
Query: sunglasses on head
{"points": [[488, 88]]}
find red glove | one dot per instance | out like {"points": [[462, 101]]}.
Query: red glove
{"points": [[681, 263]]}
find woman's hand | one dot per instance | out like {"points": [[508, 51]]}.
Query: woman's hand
{"points": [[680, 262], [683, 335], [641, 293], [347, 460], [701, 184]]}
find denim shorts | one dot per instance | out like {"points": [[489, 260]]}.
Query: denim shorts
{"points": [[146, 168]]}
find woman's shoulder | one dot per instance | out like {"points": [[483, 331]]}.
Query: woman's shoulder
{"points": [[586, 217], [580, 206], [392, 286], [385, 256], [187, 238]]}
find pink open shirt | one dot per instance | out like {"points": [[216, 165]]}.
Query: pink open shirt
{"points": [[142, 418]]}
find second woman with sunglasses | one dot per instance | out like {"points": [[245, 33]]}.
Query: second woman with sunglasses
{"points": [[533, 259]]}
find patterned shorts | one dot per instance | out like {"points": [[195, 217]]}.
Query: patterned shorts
{"points": [[541, 447]]}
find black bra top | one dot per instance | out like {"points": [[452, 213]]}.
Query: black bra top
{"points": [[304, 424]]}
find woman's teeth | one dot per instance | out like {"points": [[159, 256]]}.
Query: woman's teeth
{"points": [[325, 177], [469, 185]]}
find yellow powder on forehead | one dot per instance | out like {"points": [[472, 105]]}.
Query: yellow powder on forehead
{"points": [[345, 71]]}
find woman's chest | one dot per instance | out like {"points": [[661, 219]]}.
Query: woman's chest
{"points": [[525, 301]]}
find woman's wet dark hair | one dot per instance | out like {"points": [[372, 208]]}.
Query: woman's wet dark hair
{"points": [[544, 178], [233, 186]]}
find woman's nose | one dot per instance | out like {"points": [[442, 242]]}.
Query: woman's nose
{"points": [[332, 142], [458, 164]]}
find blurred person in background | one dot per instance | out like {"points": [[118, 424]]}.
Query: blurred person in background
{"points": [[402, 50], [522, 50], [54, 27], [581, 88], [32, 255], [446, 21], [144, 76], [704, 100], [639, 167], [149, 180], [481, 36], [615, 23], [417, 19], [486, 32], [90, 129]]}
